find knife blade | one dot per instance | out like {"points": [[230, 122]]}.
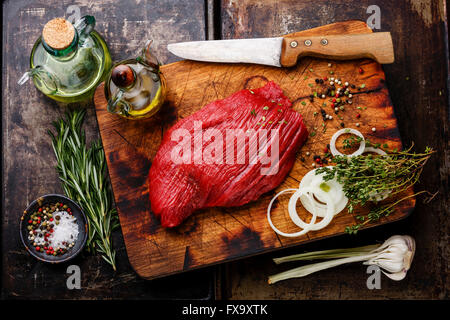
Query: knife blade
{"points": [[285, 51]]}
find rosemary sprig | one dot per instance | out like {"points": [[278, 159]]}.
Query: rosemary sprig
{"points": [[365, 176], [82, 171]]}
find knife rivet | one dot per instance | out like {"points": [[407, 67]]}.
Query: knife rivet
{"points": [[324, 42], [308, 43], [294, 44]]}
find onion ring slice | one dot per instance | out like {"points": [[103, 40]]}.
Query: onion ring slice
{"points": [[334, 151], [307, 226], [296, 218], [375, 150], [337, 194]]}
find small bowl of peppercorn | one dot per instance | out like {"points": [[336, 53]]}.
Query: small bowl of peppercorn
{"points": [[53, 228]]}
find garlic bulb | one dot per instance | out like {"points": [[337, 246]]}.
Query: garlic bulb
{"points": [[395, 256]]}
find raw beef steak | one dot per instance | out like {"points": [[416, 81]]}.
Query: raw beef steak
{"points": [[226, 154]]}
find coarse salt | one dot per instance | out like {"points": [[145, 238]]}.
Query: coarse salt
{"points": [[66, 232]]}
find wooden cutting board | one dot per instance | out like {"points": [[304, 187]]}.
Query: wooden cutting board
{"points": [[222, 234]]}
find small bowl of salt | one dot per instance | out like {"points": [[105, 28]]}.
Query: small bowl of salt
{"points": [[53, 228]]}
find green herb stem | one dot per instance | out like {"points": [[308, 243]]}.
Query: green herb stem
{"points": [[365, 176], [82, 171]]}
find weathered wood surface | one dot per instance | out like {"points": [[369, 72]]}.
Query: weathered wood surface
{"points": [[28, 160], [417, 82], [419, 32], [221, 234]]}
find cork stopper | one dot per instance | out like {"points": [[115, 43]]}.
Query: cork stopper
{"points": [[122, 76], [58, 33]]}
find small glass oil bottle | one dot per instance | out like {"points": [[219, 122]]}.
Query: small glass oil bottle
{"points": [[68, 61], [136, 88]]}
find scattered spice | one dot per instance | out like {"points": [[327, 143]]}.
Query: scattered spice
{"points": [[53, 238]]}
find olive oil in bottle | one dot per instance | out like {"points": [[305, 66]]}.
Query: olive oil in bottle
{"points": [[135, 88], [68, 61]]}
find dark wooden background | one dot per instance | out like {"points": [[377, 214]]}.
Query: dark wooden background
{"points": [[418, 84]]}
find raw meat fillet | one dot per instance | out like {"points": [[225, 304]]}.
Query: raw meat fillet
{"points": [[178, 189]]}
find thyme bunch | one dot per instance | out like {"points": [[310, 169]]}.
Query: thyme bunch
{"points": [[82, 171], [365, 176]]}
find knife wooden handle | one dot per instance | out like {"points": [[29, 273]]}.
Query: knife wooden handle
{"points": [[377, 46]]}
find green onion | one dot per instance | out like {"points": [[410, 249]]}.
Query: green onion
{"points": [[394, 256]]}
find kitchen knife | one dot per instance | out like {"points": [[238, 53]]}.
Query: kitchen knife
{"points": [[284, 51]]}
